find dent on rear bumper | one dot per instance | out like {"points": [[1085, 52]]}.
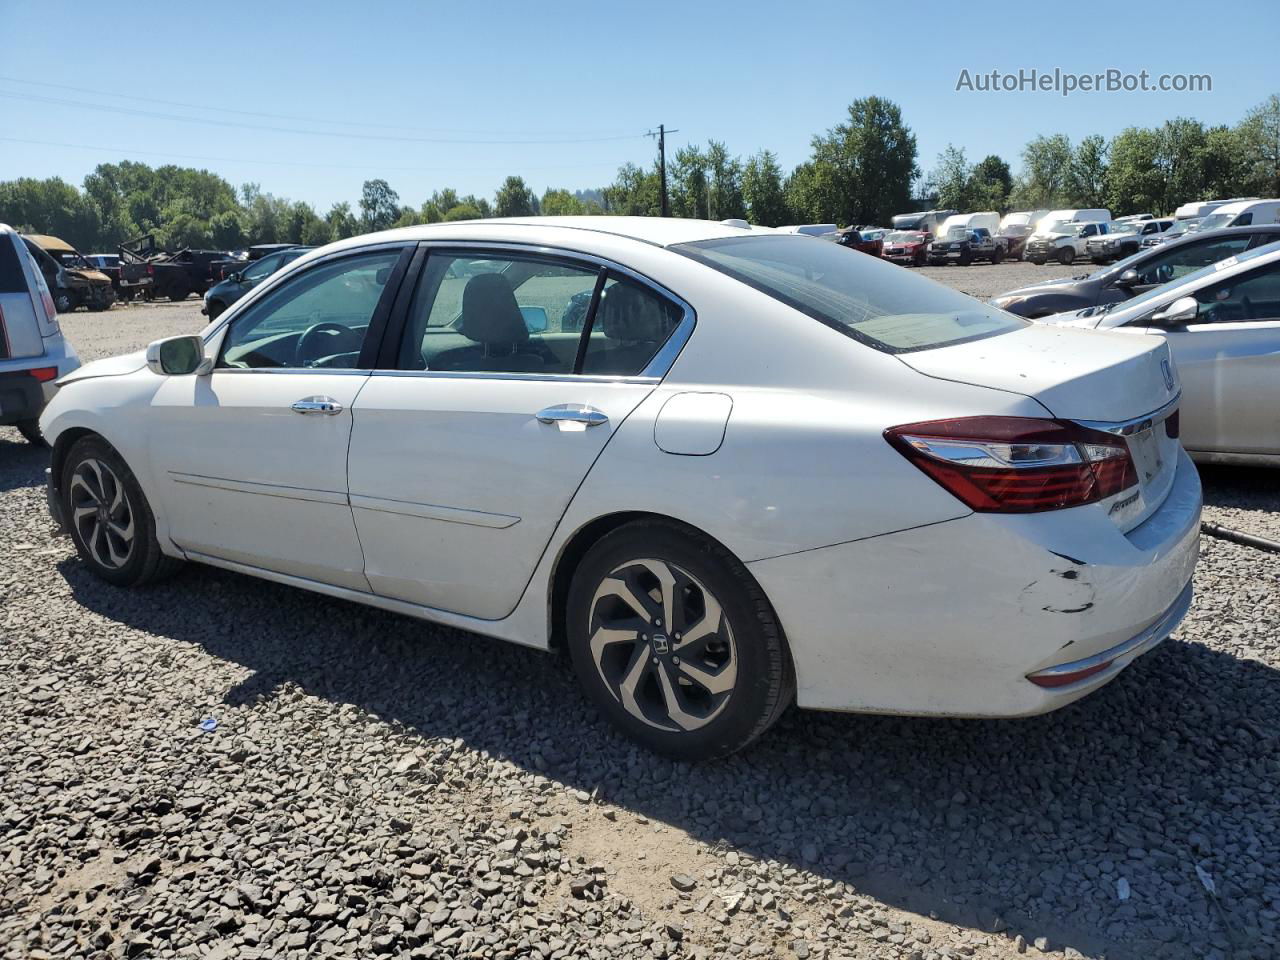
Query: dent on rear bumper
{"points": [[949, 619]]}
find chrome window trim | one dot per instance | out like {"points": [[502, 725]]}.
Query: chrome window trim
{"points": [[288, 271], [1128, 428], [657, 368]]}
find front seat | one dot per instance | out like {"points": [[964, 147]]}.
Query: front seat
{"points": [[492, 319], [635, 325]]}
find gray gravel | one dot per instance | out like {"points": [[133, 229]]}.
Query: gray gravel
{"points": [[375, 786]]}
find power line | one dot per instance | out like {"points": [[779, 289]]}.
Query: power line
{"points": [[209, 121], [279, 116]]}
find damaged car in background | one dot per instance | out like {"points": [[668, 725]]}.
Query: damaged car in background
{"points": [[755, 471]]}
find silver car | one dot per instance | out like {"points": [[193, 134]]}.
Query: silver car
{"points": [[1222, 323]]}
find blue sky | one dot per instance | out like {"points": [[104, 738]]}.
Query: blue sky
{"points": [[393, 80]]}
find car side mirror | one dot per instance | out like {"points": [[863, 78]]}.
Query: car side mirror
{"points": [[236, 277], [178, 357], [1128, 279], [1179, 313]]}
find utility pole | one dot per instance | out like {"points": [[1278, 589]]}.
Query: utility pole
{"points": [[662, 165]]}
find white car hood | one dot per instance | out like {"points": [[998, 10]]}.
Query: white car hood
{"points": [[1075, 374], [108, 367]]}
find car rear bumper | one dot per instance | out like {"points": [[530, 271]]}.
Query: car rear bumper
{"points": [[954, 618]]}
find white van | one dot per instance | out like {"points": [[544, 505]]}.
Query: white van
{"points": [[1022, 218], [1197, 209], [988, 220], [1072, 215], [1242, 213], [33, 353], [923, 221]]}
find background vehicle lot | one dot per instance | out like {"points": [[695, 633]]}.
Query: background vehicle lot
{"points": [[386, 766]]}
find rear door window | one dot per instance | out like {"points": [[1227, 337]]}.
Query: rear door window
{"points": [[12, 279], [873, 302]]}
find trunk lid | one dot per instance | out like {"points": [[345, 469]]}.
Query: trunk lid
{"points": [[1121, 383]]}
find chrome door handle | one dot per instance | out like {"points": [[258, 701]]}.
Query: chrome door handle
{"points": [[573, 413], [325, 405]]}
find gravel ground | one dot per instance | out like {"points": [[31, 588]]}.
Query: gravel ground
{"points": [[375, 786]]}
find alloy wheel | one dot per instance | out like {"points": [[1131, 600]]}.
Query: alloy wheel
{"points": [[662, 645], [101, 513]]}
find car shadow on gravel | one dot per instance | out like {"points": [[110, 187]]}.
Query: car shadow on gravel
{"points": [[1027, 826], [21, 464]]}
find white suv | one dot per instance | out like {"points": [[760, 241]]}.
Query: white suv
{"points": [[33, 353]]}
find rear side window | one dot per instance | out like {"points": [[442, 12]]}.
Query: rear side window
{"points": [[873, 302], [12, 279]]}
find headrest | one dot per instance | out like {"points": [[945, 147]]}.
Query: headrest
{"points": [[489, 311], [629, 313]]}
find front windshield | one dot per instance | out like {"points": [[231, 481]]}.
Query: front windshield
{"points": [[69, 258], [1054, 226], [1183, 226], [1126, 227], [1170, 290], [904, 236], [865, 298], [957, 233], [1215, 221]]}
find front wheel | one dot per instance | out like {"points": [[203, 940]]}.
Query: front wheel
{"points": [[64, 302], [676, 643], [1066, 256], [109, 518], [997, 255]]}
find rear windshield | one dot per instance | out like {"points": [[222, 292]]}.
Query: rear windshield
{"points": [[865, 298], [12, 279]]}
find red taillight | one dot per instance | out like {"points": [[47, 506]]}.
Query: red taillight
{"points": [[1018, 464], [1052, 680], [44, 374], [151, 270]]}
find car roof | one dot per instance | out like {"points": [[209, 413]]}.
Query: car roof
{"points": [[45, 242], [658, 231]]}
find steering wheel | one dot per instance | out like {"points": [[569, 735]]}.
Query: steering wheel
{"points": [[312, 344]]}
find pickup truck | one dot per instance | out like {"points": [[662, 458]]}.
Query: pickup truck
{"points": [[1124, 237], [150, 272], [1062, 240], [964, 245]]}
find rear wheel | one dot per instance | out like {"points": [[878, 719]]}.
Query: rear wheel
{"points": [[1066, 256], [30, 430], [109, 518], [676, 643], [179, 291]]}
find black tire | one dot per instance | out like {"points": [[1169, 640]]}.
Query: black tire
{"points": [[65, 302], [143, 560], [966, 258], [997, 255], [179, 292], [1066, 256], [763, 682], [30, 430], [215, 309]]}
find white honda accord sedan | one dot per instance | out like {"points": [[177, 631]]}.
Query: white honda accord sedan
{"points": [[726, 468]]}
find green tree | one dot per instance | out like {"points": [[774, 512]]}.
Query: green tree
{"points": [[990, 184], [864, 167], [687, 179], [1260, 139], [763, 192], [1134, 180], [561, 203], [1089, 162], [813, 192], [1045, 180], [379, 205], [951, 179], [341, 221], [724, 184], [515, 199], [634, 192], [463, 211]]}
